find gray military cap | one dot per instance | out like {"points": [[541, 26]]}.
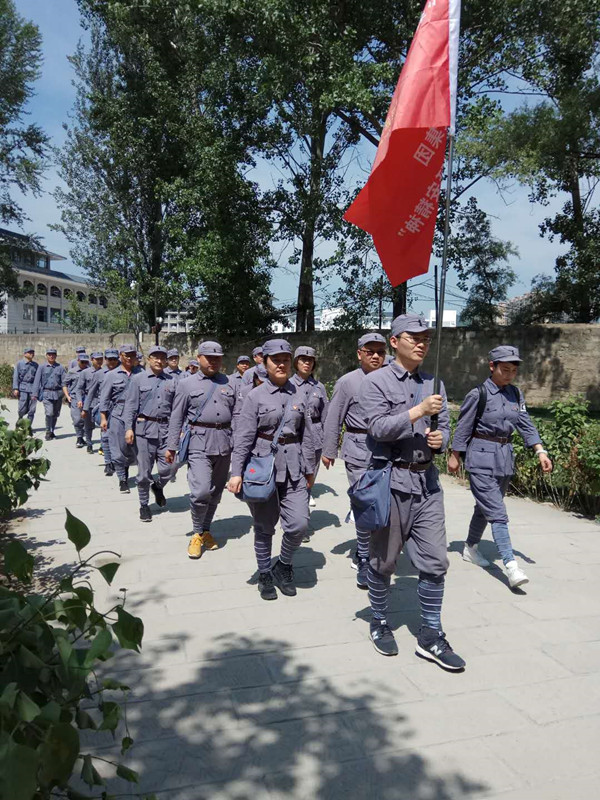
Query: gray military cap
{"points": [[243, 358], [505, 352], [261, 372], [370, 337], [258, 351], [128, 348], [97, 354], [51, 351], [210, 349], [303, 350], [83, 357], [80, 349], [29, 350], [139, 355], [172, 352], [409, 323], [111, 353], [275, 346], [156, 349], [193, 363]]}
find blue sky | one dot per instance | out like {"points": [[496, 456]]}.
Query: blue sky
{"points": [[514, 218]]}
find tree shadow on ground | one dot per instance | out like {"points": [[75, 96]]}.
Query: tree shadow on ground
{"points": [[252, 719]]}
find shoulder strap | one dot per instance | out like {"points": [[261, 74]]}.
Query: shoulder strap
{"points": [[207, 397], [480, 408]]}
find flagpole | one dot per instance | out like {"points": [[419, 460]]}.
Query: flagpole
{"points": [[439, 319]]}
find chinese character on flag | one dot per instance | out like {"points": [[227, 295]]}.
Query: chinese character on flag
{"points": [[395, 204]]}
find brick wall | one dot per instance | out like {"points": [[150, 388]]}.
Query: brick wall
{"points": [[558, 359]]}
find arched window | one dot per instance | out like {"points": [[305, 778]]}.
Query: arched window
{"points": [[55, 291], [42, 288], [92, 300], [28, 285], [67, 293], [103, 301], [81, 297]]}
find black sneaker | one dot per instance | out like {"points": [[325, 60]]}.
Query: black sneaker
{"points": [[283, 575], [383, 638], [361, 575], [79, 443], [124, 487], [90, 449], [53, 435], [159, 495], [355, 563], [109, 470], [48, 436], [145, 514], [433, 645], [266, 587]]}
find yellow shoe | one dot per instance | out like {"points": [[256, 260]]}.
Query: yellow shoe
{"points": [[195, 546], [208, 542], [100, 451]]}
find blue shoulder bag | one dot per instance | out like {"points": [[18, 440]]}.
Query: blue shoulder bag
{"points": [[258, 480], [184, 444]]}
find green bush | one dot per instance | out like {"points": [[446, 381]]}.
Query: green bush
{"points": [[6, 377], [572, 439], [50, 649], [20, 471]]}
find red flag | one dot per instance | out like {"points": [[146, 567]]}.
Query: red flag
{"points": [[398, 205]]}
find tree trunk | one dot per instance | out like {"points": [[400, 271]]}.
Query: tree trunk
{"points": [[305, 313], [399, 300]]}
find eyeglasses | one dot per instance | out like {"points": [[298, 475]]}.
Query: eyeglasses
{"points": [[419, 339], [370, 353]]}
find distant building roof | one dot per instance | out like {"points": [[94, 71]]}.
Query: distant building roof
{"points": [[27, 243], [53, 273]]}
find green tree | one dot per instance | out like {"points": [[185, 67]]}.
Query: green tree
{"points": [[23, 146]]}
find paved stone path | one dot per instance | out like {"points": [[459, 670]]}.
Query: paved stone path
{"points": [[237, 698]]}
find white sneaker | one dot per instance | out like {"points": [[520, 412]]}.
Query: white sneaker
{"points": [[311, 502], [516, 577], [472, 555]]}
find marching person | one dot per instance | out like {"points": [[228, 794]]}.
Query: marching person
{"points": [[305, 360], [344, 410], [236, 381], [74, 361], [172, 367], [86, 378], [397, 404], [205, 403], [275, 401], [112, 404], [191, 369], [257, 355], [91, 406], [146, 417], [23, 379], [47, 387], [488, 418], [70, 381]]}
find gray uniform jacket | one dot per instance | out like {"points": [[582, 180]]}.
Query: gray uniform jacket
{"points": [[248, 376], [86, 380], [385, 398], [262, 412], [176, 374], [49, 381], [219, 410], [318, 404], [92, 398], [71, 379], [114, 389], [149, 395], [24, 375], [505, 412], [344, 409]]}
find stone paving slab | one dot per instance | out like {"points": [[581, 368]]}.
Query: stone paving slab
{"points": [[233, 697]]}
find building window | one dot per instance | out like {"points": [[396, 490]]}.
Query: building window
{"points": [[42, 288], [55, 315], [67, 293], [92, 300], [28, 312], [42, 314], [17, 257], [103, 301], [81, 297], [28, 285], [42, 262], [29, 259], [55, 291]]}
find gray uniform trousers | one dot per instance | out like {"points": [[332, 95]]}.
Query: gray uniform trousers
{"points": [[52, 409], [88, 428], [26, 406], [417, 523], [150, 452], [122, 454], [289, 503], [207, 476], [489, 492], [76, 418]]}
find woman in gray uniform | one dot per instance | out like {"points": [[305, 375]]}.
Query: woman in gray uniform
{"points": [[484, 433], [305, 360], [263, 410]]}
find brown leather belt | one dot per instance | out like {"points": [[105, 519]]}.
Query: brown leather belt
{"points": [[413, 466], [289, 438], [218, 426], [144, 418], [350, 429], [499, 439]]}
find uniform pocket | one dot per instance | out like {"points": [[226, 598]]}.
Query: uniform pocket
{"points": [[481, 454]]}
